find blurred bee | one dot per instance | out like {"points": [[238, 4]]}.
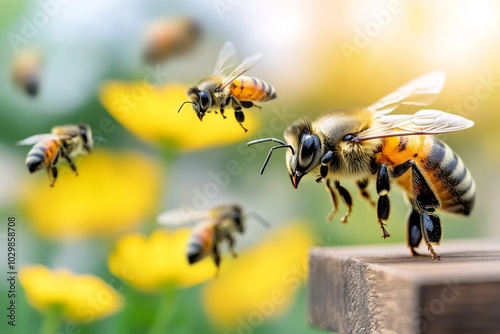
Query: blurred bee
{"points": [[67, 141], [365, 144], [212, 228], [170, 37], [219, 90], [26, 72]]}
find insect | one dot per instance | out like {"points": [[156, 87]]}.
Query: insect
{"points": [[170, 37], [213, 227], [368, 144], [26, 72], [218, 90], [67, 141]]}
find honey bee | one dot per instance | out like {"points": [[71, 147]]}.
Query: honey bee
{"points": [[26, 72], [364, 144], [67, 141], [170, 37], [212, 228], [219, 90]]}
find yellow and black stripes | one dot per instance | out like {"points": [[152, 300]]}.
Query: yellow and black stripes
{"points": [[43, 154], [456, 187], [252, 89]]}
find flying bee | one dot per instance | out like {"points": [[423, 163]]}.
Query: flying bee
{"points": [[364, 144], [26, 72], [219, 90], [213, 227], [170, 37], [67, 141]]}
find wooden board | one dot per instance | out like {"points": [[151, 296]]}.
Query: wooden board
{"points": [[383, 289]]}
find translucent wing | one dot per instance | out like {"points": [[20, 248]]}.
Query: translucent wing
{"points": [[247, 64], [426, 121], [182, 216], [36, 138], [421, 91], [225, 59]]}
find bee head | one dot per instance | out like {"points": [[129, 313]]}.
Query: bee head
{"points": [[306, 153], [200, 99], [86, 135]]}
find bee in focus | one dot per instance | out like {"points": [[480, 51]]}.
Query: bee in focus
{"points": [[219, 90], [67, 141], [170, 37], [367, 144], [26, 72], [213, 227]]}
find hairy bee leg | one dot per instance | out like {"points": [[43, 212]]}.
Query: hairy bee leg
{"points": [[347, 199], [231, 242], [249, 104], [216, 257], [52, 169], [70, 161], [383, 204], [240, 117], [324, 166], [431, 231], [223, 105], [333, 199], [413, 231], [362, 184], [425, 199]]}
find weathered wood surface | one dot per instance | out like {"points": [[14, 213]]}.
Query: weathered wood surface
{"points": [[382, 289]]}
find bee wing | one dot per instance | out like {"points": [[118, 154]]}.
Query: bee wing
{"points": [[225, 59], [36, 138], [421, 91], [247, 64], [182, 216], [426, 121]]}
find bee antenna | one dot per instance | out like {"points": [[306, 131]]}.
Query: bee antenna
{"points": [[258, 218], [182, 105], [283, 145]]}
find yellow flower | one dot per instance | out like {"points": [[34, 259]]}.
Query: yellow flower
{"points": [[113, 193], [151, 113], [261, 282], [151, 264], [80, 298]]}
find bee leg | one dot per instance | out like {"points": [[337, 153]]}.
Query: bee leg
{"points": [[413, 231], [383, 204], [347, 199], [216, 257], [231, 242], [333, 199], [362, 184], [431, 231], [424, 198], [70, 161], [248, 104], [223, 105], [240, 116], [52, 169], [325, 161]]}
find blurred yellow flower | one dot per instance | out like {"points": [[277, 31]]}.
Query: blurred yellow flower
{"points": [[113, 193], [80, 298], [151, 113], [151, 264], [261, 282]]}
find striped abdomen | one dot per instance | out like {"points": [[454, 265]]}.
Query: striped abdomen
{"points": [[443, 168], [252, 89], [42, 154], [201, 242]]}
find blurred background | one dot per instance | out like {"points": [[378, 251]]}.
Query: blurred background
{"points": [[69, 62]]}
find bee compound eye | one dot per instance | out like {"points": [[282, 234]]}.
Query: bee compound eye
{"points": [[308, 148], [348, 137], [204, 100]]}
